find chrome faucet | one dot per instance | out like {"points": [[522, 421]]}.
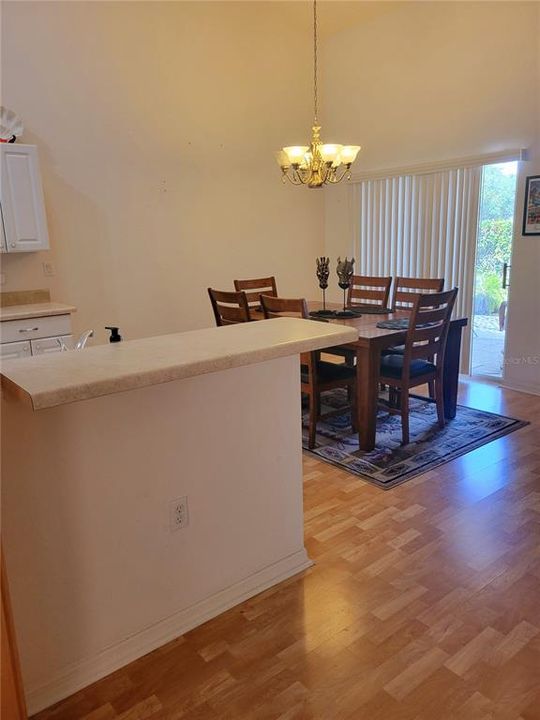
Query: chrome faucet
{"points": [[79, 345], [81, 342]]}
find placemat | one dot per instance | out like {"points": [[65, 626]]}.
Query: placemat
{"points": [[397, 324]]}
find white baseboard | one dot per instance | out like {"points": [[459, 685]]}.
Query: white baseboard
{"points": [[521, 387], [83, 673]]}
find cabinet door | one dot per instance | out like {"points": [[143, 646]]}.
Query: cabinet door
{"points": [[23, 209], [10, 351], [52, 344]]}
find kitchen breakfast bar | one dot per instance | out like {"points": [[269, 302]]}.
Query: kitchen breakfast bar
{"points": [[99, 448]]}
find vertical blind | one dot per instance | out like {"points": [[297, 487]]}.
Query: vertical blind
{"points": [[421, 225]]}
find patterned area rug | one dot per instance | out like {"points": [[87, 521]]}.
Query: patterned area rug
{"points": [[391, 463]]}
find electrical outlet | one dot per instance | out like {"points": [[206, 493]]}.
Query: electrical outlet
{"points": [[48, 269], [178, 514]]}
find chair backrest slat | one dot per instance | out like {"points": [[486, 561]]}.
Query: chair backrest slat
{"points": [[277, 307], [256, 287], [406, 290], [229, 308], [366, 289], [423, 334], [428, 327], [433, 315]]}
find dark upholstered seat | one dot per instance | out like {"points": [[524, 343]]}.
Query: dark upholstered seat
{"points": [[392, 366], [329, 372]]}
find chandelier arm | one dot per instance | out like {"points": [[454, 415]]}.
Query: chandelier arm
{"points": [[304, 176], [290, 178], [293, 178], [337, 179]]}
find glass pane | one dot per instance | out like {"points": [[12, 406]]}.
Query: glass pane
{"points": [[493, 253]]}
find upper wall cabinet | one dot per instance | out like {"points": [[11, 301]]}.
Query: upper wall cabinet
{"points": [[21, 200]]}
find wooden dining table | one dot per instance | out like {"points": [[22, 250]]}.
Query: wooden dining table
{"points": [[371, 343]]}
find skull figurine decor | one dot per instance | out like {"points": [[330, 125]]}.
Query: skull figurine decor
{"points": [[323, 273]]}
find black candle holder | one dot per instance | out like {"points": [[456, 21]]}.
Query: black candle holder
{"points": [[345, 270], [323, 273]]}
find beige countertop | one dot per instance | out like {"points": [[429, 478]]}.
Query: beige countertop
{"points": [[49, 380], [22, 312]]}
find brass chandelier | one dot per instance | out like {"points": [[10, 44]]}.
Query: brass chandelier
{"points": [[319, 163]]}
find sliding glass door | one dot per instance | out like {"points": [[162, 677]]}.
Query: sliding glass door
{"points": [[493, 268]]}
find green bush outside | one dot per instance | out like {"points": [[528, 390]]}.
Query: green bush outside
{"points": [[494, 238]]}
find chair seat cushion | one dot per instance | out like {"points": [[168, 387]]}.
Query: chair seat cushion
{"points": [[396, 350], [392, 366], [329, 372]]}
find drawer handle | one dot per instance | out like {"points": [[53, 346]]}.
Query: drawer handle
{"points": [[32, 329]]}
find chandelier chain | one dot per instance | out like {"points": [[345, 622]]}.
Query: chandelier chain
{"points": [[315, 91]]}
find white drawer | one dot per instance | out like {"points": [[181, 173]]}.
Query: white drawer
{"points": [[9, 351], [33, 328], [49, 345]]}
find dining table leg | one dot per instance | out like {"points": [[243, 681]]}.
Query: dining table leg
{"points": [[451, 370], [367, 389]]}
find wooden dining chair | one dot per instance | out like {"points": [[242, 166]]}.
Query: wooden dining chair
{"points": [[256, 287], [406, 289], [365, 290], [317, 376], [369, 290], [423, 358], [405, 292], [229, 308]]}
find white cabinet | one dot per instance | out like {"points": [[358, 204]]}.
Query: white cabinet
{"points": [[34, 328], [10, 351], [24, 224], [34, 336]]}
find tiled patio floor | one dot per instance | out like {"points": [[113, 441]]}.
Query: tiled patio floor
{"points": [[487, 346]]}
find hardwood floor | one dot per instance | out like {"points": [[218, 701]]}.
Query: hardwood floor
{"points": [[424, 603]]}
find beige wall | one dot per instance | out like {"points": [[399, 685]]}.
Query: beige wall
{"points": [[523, 337], [522, 368], [430, 81], [156, 125]]}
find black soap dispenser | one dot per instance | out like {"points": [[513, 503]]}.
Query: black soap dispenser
{"points": [[115, 335]]}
